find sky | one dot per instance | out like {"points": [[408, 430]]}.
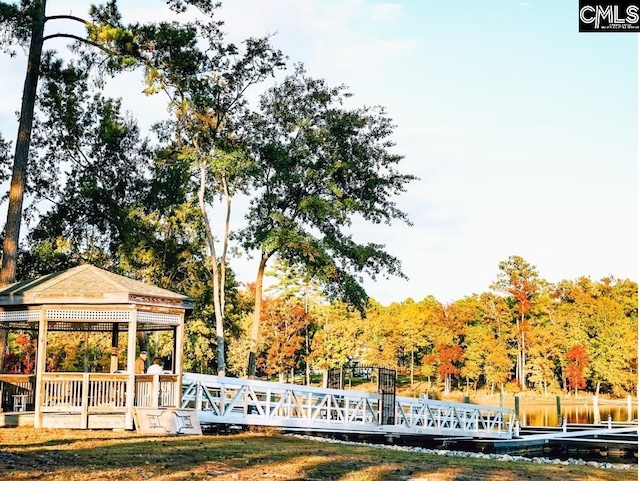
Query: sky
{"points": [[523, 132]]}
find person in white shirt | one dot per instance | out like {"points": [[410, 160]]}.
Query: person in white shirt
{"points": [[156, 367]]}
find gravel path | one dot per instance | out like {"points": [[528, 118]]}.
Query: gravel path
{"points": [[466, 454]]}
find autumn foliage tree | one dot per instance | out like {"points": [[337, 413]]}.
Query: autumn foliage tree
{"points": [[519, 280], [448, 359], [283, 328], [21, 358], [577, 363]]}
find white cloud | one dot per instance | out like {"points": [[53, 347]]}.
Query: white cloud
{"points": [[508, 164], [384, 12]]}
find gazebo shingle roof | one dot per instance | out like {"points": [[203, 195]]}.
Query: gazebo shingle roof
{"points": [[87, 284]]}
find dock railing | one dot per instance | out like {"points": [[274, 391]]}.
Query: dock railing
{"points": [[223, 400]]}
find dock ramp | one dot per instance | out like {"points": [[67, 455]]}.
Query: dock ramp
{"points": [[245, 402]]}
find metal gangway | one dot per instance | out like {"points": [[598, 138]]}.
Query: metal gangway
{"points": [[291, 407]]}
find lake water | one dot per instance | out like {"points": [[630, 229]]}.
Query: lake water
{"points": [[546, 415]]}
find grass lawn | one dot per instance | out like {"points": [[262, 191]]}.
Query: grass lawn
{"points": [[69, 455]]}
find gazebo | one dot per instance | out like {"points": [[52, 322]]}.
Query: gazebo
{"points": [[87, 299]]}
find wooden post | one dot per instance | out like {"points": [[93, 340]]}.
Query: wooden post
{"points": [[177, 361], [516, 400], [131, 367], [155, 391], [596, 411], [558, 408], [114, 348], [84, 413], [41, 358]]}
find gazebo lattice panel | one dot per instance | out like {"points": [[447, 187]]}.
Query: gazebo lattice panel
{"points": [[87, 315], [66, 326], [20, 320], [158, 318], [13, 316]]}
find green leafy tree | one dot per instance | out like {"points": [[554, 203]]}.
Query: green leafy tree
{"points": [[601, 316], [336, 340], [91, 168], [497, 366], [23, 24], [612, 347], [319, 165], [206, 87], [294, 282]]}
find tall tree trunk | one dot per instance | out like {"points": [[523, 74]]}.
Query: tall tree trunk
{"points": [[257, 311], [223, 277], [214, 270], [20, 160], [411, 367], [519, 353], [523, 375], [307, 366]]}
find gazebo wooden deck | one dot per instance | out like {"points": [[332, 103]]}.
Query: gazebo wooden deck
{"points": [[88, 299]]}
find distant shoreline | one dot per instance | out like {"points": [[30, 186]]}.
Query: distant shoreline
{"points": [[551, 399]]}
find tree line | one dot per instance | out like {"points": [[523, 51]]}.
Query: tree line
{"points": [[522, 334], [571, 337]]}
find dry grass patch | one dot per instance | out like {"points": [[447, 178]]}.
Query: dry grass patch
{"points": [[66, 455]]}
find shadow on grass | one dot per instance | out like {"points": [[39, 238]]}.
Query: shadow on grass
{"points": [[250, 456]]}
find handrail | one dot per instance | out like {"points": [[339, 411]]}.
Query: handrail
{"points": [[226, 400]]}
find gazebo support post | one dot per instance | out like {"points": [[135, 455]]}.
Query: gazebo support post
{"points": [[177, 361], [114, 348], [131, 367], [41, 363]]}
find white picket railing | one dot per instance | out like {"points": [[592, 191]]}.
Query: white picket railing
{"points": [[223, 400]]}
